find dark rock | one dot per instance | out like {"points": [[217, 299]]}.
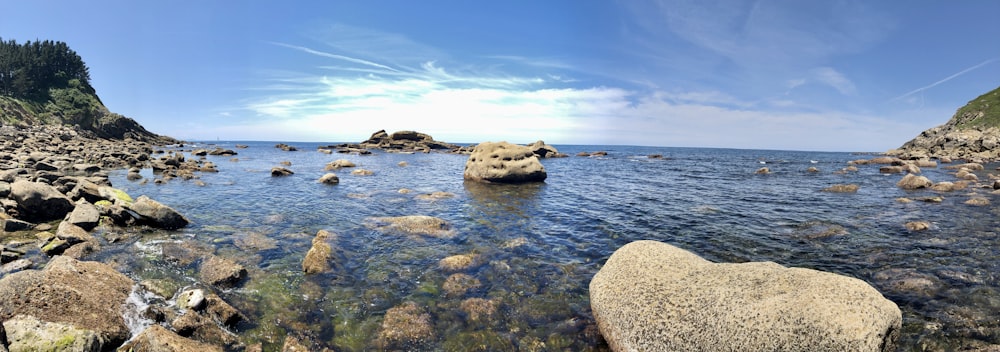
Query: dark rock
{"points": [[286, 147], [12, 225], [280, 172], [37, 202]]}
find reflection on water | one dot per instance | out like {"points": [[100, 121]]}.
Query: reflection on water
{"points": [[528, 251]]}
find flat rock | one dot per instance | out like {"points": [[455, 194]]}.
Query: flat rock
{"points": [[84, 215], [27, 333], [651, 296], [412, 225], [221, 272]]}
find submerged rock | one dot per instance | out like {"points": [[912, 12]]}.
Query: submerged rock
{"points": [[918, 225], [838, 188], [652, 296], [412, 225], [405, 327], [503, 162], [320, 256]]}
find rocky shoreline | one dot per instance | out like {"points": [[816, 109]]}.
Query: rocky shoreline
{"points": [[60, 205]]}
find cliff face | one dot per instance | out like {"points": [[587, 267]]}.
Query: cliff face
{"points": [[972, 133], [84, 113]]}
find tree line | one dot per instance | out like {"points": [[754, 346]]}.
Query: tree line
{"points": [[28, 71]]}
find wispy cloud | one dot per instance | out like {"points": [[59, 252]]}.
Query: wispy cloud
{"points": [[835, 79], [756, 33], [526, 99], [946, 79], [338, 57]]}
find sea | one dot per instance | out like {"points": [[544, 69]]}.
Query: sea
{"points": [[537, 246]]}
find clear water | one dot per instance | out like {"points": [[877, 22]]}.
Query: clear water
{"points": [[539, 244]]}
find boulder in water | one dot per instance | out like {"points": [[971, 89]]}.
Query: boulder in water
{"points": [[651, 296], [503, 162], [158, 215]]}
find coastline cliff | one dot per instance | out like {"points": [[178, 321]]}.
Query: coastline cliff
{"points": [[973, 133]]}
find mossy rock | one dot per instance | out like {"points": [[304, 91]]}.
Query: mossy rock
{"points": [[478, 341]]}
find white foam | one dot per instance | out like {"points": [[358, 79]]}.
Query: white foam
{"points": [[134, 311]]}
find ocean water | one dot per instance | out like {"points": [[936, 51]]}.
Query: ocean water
{"points": [[538, 245]]}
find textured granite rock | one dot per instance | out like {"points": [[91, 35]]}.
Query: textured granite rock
{"points": [[651, 296]]}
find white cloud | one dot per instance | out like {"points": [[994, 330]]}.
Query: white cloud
{"points": [[835, 79]]}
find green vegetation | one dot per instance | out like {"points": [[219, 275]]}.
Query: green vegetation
{"points": [[983, 111], [47, 83]]}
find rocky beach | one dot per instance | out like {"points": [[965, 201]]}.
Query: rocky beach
{"points": [[72, 218]]}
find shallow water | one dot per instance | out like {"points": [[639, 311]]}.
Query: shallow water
{"points": [[538, 245]]}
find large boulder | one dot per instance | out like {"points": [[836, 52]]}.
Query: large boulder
{"points": [[158, 215], [503, 162], [83, 295], [651, 296], [39, 202]]}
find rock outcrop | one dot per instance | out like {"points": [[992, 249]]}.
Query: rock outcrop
{"points": [[502, 162], [651, 296], [972, 133], [85, 296]]}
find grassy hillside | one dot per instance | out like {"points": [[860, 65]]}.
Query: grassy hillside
{"points": [[982, 112]]}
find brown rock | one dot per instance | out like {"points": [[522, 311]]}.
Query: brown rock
{"points": [[918, 225], [412, 225], [85, 295], [221, 272], [405, 326], [157, 338], [850, 188], [329, 179], [911, 181]]}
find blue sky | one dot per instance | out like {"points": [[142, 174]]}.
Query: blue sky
{"points": [[805, 75]]}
